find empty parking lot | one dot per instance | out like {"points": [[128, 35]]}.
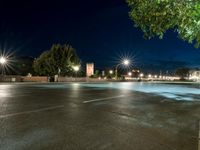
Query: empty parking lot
{"points": [[140, 116]]}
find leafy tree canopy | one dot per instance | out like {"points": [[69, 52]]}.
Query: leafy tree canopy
{"points": [[182, 72], [58, 60], [155, 17]]}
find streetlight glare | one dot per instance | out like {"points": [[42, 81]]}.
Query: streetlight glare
{"points": [[126, 62], [129, 73], [76, 68], [141, 75], [3, 60]]}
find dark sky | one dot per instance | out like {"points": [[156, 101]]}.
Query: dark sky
{"points": [[100, 31]]}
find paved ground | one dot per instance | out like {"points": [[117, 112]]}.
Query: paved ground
{"points": [[74, 116]]}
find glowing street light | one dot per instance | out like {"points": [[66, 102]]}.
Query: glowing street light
{"points": [[149, 75], [141, 75], [110, 72], [125, 62], [129, 73], [3, 60], [76, 69]]}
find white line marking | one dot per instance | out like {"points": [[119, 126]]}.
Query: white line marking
{"points": [[32, 111], [102, 99]]}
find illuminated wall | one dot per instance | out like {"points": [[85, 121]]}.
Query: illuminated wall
{"points": [[195, 75], [89, 69]]}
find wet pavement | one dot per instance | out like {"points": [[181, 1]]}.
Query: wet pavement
{"points": [[110, 116]]}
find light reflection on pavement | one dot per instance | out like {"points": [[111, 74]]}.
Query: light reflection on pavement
{"points": [[176, 92]]}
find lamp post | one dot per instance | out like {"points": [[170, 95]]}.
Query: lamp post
{"points": [[76, 69], [141, 75], [110, 72], [3, 61], [130, 74], [124, 62]]}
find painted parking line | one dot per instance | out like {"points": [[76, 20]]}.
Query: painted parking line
{"points": [[102, 99], [31, 111]]}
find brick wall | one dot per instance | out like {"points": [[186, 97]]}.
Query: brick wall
{"points": [[35, 79]]}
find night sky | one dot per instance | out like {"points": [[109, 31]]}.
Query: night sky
{"points": [[100, 30]]}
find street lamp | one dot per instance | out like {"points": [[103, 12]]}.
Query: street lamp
{"points": [[3, 61], [129, 73], [76, 69], [149, 76], [141, 75], [110, 72], [124, 62]]}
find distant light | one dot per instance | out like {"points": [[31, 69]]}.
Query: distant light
{"points": [[149, 75], [155, 76], [111, 72], [129, 74], [3, 60], [141, 75], [76, 68], [136, 71]]}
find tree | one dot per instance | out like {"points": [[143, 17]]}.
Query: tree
{"points": [[182, 72], [23, 65], [20, 65], [155, 17], [58, 60]]}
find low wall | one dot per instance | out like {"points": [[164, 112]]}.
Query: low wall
{"points": [[9, 78], [83, 79], [95, 80], [71, 79], [35, 79], [46, 79]]}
